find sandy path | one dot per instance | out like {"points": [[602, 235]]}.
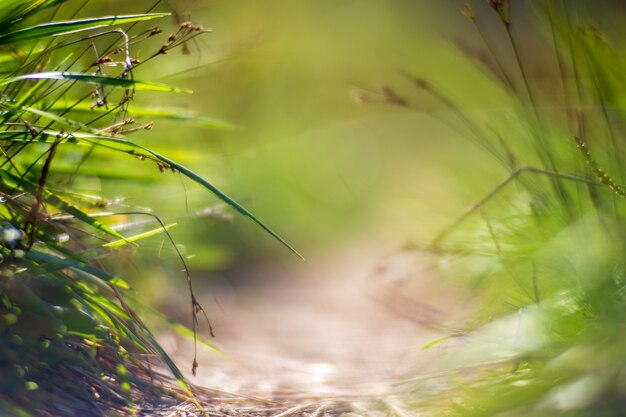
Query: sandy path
{"points": [[322, 328]]}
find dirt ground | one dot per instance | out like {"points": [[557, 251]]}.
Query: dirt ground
{"points": [[337, 329]]}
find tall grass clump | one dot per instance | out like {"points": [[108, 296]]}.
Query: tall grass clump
{"points": [[544, 250], [70, 343]]}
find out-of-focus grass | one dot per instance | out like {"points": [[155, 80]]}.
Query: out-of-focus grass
{"points": [[543, 251]]}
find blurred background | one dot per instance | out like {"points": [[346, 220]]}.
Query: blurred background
{"points": [[311, 148], [320, 169]]}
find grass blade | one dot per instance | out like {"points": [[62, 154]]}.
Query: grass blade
{"points": [[56, 263], [60, 28], [137, 237], [180, 378], [159, 113], [96, 79], [14, 11], [59, 203], [198, 179]]}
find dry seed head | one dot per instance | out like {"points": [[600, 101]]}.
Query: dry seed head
{"points": [[128, 95], [100, 102], [31, 130], [103, 60], [421, 83], [154, 31], [164, 166], [596, 33], [468, 10], [194, 367], [392, 97], [360, 96], [497, 4]]}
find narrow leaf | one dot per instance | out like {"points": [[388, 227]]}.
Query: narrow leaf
{"points": [[96, 79], [56, 263], [137, 237], [59, 28], [180, 378], [180, 115], [198, 179], [59, 203]]}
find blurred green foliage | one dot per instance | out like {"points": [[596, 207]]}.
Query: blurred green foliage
{"points": [[304, 156]]}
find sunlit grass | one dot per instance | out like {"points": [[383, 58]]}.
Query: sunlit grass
{"points": [[543, 249]]}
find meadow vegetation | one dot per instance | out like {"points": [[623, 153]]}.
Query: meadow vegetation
{"points": [[535, 88], [543, 249], [71, 342]]}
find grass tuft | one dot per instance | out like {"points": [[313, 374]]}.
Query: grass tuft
{"points": [[70, 343]]}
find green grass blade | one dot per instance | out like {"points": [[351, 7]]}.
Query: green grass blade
{"points": [[159, 113], [137, 237], [56, 118], [180, 378], [73, 26], [45, 136], [13, 11], [58, 202], [224, 197], [198, 179], [56, 263], [437, 341], [96, 79], [12, 409], [114, 316]]}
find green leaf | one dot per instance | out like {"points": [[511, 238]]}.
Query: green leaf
{"points": [[58, 202], [137, 237], [79, 323], [159, 113], [6, 406], [56, 263], [195, 177], [96, 79], [13, 11], [60, 28], [224, 197], [198, 179], [180, 378], [437, 341]]}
